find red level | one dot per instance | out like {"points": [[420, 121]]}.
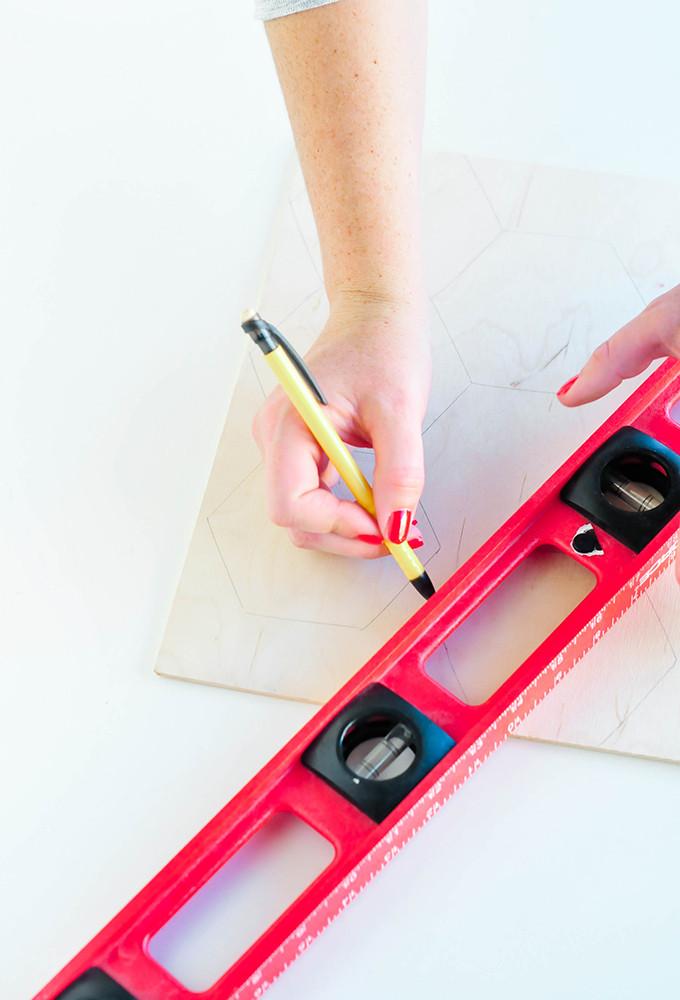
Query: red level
{"points": [[613, 507]]}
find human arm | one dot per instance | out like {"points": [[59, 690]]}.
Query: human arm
{"points": [[352, 74]]}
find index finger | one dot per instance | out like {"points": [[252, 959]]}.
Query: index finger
{"points": [[651, 335], [296, 495]]}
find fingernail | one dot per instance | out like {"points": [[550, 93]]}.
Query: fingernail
{"points": [[417, 543], [371, 539], [414, 521], [567, 386], [398, 524]]}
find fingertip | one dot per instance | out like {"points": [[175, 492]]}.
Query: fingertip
{"points": [[398, 525], [568, 385], [576, 391], [590, 384], [585, 390]]}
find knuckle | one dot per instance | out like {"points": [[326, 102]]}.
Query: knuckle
{"points": [[300, 539], [612, 361], [335, 526], [603, 353], [279, 513], [407, 479]]}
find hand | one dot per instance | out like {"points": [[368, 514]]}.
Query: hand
{"points": [[655, 333], [372, 361]]}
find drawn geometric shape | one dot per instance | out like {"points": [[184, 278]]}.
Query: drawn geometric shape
{"points": [[207, 624], [601, 696], [651, 728], [638, 217], [486, 455], [458, 222], [664, 597], [507, 184], [488, 446], [304, 218], [457, 219], [531, 309], [232, 465], [449, 378], [292, 272], [273, 578]]}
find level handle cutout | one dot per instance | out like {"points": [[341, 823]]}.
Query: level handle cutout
{"points": [[510, 624], [240, 902]]}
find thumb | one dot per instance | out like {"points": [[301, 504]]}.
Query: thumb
{"points": [[399, 472]]}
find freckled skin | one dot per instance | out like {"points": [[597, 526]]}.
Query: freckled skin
{"points": [[353, 77], [353, 74]]}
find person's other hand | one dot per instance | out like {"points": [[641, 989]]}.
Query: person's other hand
{"points": [[655, 333], [373, 364]]}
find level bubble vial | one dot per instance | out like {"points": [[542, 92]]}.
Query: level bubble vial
{"points": [[378, 749], [635, 483]]}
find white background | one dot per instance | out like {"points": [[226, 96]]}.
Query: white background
{"points": [[143, 152]]}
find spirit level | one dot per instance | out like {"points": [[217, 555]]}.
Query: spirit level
{"points": [[392, 746]]}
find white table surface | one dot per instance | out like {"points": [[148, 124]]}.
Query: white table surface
{"points": [[143, 153]]}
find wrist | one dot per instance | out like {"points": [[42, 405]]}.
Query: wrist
{"points": [[381, 263], [365, 326], [379, 299]]}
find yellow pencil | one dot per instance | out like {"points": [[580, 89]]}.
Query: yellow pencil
{"points": [[298, 384]]}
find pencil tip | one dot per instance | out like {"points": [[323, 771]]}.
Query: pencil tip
{"points": [[247, 315], [424, 585]]}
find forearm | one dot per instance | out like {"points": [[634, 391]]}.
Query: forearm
{"points": [[352, 74]]}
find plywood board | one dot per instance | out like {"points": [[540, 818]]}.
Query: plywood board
{"points": [[529, 269]]}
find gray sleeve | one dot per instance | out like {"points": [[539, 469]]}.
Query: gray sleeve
{"points": [[266, 10]]}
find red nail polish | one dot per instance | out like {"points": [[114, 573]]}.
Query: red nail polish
{"points": [[417, 543], [567, 386], [371, 539], [398, 524]]}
